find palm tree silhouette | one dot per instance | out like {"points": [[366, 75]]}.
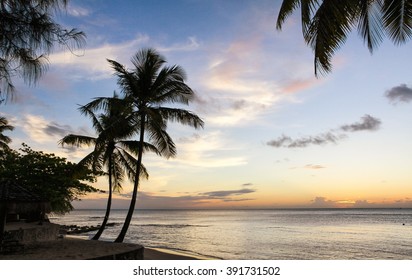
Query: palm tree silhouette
{"points": [[4, 140], [326, 24], [112, 151], [149, 87]]}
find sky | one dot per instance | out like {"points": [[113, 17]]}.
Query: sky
{"points": [[275, 136]]}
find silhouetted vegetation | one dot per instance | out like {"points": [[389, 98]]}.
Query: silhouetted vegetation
{"points": [[28, 33], [51, 177]]}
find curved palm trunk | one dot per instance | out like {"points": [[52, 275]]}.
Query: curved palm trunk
{"points": [[129, 216], [109, 204]]}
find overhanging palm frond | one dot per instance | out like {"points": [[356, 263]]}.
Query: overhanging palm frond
{"points": [[327, 23], [307, 8], [286, 9], [397, 19], [327, 31], [370, 23]]}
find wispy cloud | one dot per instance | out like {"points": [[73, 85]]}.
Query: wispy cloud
{"points": [[148, 200], [221, 194], [77, 11], [91, 64], [191, 44], [211, 149], [314, 166], [323, 202], [321, 139], [367, 123], [235, 79], [333, 136], [41, 130], [399, 94]]}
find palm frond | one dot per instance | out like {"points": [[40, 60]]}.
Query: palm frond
{"points": [[77, 140], [5, 139], [286, 9], [161, 140], [397, 19], [98, 103], [370, 23], [133, 147], [328, 30], [95, 121], [147, 63], [181, 116], [125, 79]]}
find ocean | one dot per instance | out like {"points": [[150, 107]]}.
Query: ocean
{"points": [[292, 234]]}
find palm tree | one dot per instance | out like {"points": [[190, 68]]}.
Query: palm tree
{"points": [[150, 87], [326, 24], [4, 140], [112, 151]]}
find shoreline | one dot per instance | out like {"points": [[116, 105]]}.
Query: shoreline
{"points": [[75, 248], [165, 254]]}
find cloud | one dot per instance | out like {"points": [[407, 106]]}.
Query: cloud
{"points": [[191, 44], [41, 130], [398, 94], [314, 166], [147, 200], [77, 11], [220, 194], [243, 81], [367, 123], [92, 63], [322, 202], [303, 142], [211, 150], [56, 129], [300, 84]]}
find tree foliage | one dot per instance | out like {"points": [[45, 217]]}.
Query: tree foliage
{"points": [[28, 33], [52, 177]]}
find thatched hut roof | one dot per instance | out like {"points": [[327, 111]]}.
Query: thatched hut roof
{"points": [[19, 199]]}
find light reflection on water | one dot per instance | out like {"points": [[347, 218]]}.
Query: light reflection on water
{"points": [[265, 234]]}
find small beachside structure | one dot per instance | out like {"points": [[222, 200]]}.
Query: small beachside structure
{"points": [[16, 201]]}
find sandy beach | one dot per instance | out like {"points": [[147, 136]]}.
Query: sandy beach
{"points": [[79, 249]]}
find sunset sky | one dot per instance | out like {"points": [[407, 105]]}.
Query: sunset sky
{"points": [[274, 136]]}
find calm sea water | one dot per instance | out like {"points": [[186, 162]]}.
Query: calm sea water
{"points": [[264, 234]]}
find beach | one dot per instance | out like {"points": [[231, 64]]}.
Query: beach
{"points": [[79, 249]]}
